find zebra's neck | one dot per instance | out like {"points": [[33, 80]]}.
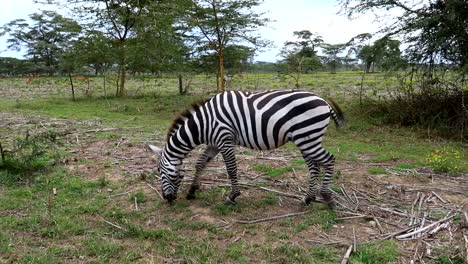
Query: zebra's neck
{"points": [[183, 137]]}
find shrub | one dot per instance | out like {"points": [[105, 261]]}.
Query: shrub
{"points": [[444, 160], [435, 104], [29, 154]]}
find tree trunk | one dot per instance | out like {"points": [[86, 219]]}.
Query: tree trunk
{"points": [[2, 153], [122, 70], [368, 65], [221, 81], [181, 88], [72, 88], [104, 83], [122, 80]]}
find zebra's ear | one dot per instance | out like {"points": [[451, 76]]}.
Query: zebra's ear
{"points": [[155, 149]]}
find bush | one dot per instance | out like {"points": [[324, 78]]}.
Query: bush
{"points": [[437, 104], [29, 154], [444, 160]]}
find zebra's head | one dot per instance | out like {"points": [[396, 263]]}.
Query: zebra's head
{"points": [[170, 175]]}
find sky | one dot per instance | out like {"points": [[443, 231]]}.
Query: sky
{"points": [[318, 16]]}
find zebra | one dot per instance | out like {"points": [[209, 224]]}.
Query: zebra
{"points": [[261, 121]]}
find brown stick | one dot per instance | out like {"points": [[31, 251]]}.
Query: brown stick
{"points": [[2, 153], [156, 190], [354, 240], [112, 224], [326, 243], [271, 218], [347, 255], [378, 225], [438, 196], [465, 236], [424, 228], [390, 235]]}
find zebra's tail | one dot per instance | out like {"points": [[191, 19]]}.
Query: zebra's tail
{"points": [[336, 113]]}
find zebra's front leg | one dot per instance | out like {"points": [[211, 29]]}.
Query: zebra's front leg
{"points": [[209, 153], [231, 167]]}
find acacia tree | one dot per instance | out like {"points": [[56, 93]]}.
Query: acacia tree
{"points": [[435, 30], [95, 50], [300, 56], [332, 55], [436, 36], [218, 24], [116, 18], [44, 39]]}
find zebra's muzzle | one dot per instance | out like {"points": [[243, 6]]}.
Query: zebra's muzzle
{"points": [[170, 197]]}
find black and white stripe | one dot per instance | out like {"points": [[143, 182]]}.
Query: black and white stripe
{"points": [[262, 121]]}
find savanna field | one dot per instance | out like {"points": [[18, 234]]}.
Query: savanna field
{"points": [[77, 184]]}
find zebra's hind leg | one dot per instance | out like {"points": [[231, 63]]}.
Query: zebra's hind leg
{"points": [[314, 171], [230, 160], [209, 153], [325, 191]]}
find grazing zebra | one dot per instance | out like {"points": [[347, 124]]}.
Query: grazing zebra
{"points": [[262, 121]]}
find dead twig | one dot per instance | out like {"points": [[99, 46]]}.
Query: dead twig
{"points": [[118, 194], [417, 231], [270, 218], [465, 237], [378, 225], [347, 255], [112, 224], [156, 190], [328, 243], [354, 240]]}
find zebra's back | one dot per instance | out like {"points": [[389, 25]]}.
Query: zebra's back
{"points": [[267, 120]]}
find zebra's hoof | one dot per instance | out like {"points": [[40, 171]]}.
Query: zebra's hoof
{"points": [[328, 198], [228, 201], [331, 205], [307, 200], [190, 196]]}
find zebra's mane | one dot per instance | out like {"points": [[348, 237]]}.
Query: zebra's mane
{"points": [[187, 113]]}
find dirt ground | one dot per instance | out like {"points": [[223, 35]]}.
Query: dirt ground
{"points": [[421, 210]]}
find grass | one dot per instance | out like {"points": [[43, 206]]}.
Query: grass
{"points": [[377, 170], [378, 252], [274, 172], [39, 227]]}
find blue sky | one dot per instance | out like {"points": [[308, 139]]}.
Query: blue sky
{"points": [[318, 16]]}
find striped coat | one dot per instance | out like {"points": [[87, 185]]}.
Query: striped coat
{"points": [[262, 121]]}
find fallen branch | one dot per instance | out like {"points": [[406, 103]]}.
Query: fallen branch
{"points": [[347, 255], [390, 235], [112, 224], [354, 240], [156, 190], [417, 231], [327, 243], [465, 237], [270, 218], [378, 225]]}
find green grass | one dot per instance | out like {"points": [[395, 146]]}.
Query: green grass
{"points": [[324, 218], [274, 172], [148, 113], [139, 197], [39, 227], [237, 252], [377, 170], [378, 252], [324, 254]]}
